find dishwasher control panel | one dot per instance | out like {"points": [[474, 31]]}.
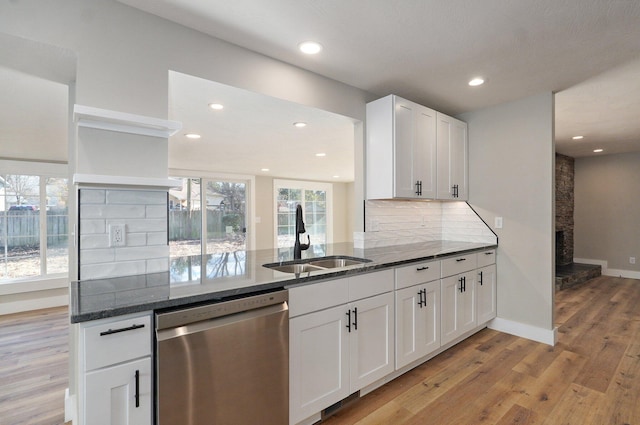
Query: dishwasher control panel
{"points": [[218, 309]]}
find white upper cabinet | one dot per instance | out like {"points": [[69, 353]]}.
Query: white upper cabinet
{"points": [[400, 149], [453, 158]]}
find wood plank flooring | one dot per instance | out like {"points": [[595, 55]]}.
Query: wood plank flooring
{"points": [[34, 355], [592, 376]]}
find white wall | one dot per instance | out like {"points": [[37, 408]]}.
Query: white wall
{"points": [[607, 228], [511, 175]]}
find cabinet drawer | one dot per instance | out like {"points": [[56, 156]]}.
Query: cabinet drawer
{"points": [[458, 264], [318, 296], [417, 273], [486, 258], [108, 342], [370, 284]]}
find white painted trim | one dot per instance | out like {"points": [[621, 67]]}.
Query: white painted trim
{"points": [[104, 119], [546, 336], [70, 411], [98, 179], [33, 301], [20, 286], [629, 274]]}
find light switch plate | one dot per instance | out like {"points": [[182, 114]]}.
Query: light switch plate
{"points": [[498, 223]]}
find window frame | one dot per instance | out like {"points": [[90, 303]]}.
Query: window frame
{"points": [[235, 178], [303, 185], [42, 281]]}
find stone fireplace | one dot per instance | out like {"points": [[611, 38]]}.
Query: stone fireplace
{"points": [[564, 209]]}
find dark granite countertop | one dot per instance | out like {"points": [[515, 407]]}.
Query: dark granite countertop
{"points": [[215, 277]]}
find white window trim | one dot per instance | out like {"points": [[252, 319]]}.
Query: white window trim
{"points": [[306, 185], [236, 178], [35, 283]]}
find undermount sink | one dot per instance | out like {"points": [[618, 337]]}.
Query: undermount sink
{"points": [[316, 264], [332, 263], [294, 268]]}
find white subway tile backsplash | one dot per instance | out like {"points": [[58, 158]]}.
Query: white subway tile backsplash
{"points": [[92, 226], [92, 196], [112, 211], [157, 265], [93, 256], [144, 214], [157, 238], [137, 197], [156, 211], [147, 225], [93, 241], [104, 270], [393, 222]]}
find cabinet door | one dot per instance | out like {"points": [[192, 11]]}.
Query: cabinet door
{"points": [[371, 340], [114, 396], [415, 150], [404, 138], [486, 287], [417, 322], [467, 316], [424, 152], [319, 361], [458, 306], [452, 149]]}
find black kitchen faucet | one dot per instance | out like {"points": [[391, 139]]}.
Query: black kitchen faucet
{"points": [[297, 246]]}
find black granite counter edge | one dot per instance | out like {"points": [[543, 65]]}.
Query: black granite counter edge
{"points": [[262, 287]]}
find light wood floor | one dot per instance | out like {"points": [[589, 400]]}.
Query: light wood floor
{"points": [[34, 352], [592, 376]]}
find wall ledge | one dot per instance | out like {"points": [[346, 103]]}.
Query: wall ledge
{"points": [[104, 119], [105, 180]]}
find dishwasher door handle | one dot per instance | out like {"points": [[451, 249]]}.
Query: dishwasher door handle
{"points": [[165, 334]]}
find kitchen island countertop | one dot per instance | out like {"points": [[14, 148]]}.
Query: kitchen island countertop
{"points": [[216, 277]]}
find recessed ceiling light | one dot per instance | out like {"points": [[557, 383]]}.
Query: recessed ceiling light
{"points": [[192, 136], [577, 137], [321, 154], [476, 82], [264, 169], [216, 106], [598, 150], [310, 47], [336, 176], [300, 124]]}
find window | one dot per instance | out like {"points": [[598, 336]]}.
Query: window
{"points": [[316, 201], [34, 220], [217, 205]]}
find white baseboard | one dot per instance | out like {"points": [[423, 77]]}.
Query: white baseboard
{"points": [[69, 407], [629, 274], [545, 336]]}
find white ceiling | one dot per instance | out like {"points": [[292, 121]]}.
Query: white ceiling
{"points": [[588, 51], [254, 132]]}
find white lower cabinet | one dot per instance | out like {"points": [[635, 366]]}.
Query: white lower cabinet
{"points": [[417, 322], [116, 373], [338, 350], [458, 305], [119, 395], [486, 296]]}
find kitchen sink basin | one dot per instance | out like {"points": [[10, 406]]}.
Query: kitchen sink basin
{"points": [[294, 268], [332, 263], [316, 264]]}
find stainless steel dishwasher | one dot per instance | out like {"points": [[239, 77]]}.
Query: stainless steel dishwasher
{"points": [[225, 363]]}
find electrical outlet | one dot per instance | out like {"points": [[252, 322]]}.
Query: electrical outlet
{"points": [[117, 235], [632, 260]]}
